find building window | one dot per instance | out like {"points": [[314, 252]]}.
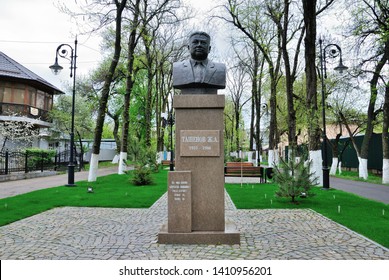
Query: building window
{"points": [[32, 93], [25, 95], [40, 100], [18, 96], [49, 102], [7, 98]]}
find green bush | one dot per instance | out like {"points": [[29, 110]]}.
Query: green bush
{"points": [[293, 179], [36, 156], [142, 176]]}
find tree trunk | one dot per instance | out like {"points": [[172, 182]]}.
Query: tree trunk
{"points": [[309, 7], [252, 125], [115, 132], [335, 154], [105, 94], [132, 41], [237, 120], [149, 101], [258, 106], [289, 79], [385, 139], [371, 114], [273, 153]]}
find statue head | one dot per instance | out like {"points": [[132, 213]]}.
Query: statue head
{"points": [[199, 45]]}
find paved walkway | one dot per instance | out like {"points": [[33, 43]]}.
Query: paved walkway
{"points": [[12, 188], [368, 190], [70, 233]]}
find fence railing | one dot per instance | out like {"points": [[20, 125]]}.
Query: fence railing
{"points": [[11, 162]]}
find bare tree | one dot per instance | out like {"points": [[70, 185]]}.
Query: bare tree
{"points": [[119, 8], [385, 138], [238, 81], [371, 25], [269, 43], [132, 41]]}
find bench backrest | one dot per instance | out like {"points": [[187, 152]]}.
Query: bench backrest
{"points": [[239, 164]]}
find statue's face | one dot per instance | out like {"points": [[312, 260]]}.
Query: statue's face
{"points": [[199, 47]]}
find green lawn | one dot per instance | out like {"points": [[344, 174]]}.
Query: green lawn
{"points": [[367, 217], [110, 191]]}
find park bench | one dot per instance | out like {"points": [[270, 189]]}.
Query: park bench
{"points": [[239, 164], [166, 162], [244, 169]]}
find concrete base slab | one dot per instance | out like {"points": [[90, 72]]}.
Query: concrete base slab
{"points": [[230, 236]]}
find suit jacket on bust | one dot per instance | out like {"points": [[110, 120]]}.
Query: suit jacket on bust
{"points": [[214, 75]]}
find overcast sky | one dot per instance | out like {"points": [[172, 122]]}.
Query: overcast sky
{"points": [[31, 30]]}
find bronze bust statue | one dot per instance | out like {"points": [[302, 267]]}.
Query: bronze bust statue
{"points": [[199, 72]]}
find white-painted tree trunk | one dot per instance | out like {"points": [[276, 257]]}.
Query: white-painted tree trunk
{"points": [[385, 171], [334, 166], [316, 166], [115, 159], [362, 168], [94, 165], [340, 167], [122, 163], [159, 157], [273, 158]]}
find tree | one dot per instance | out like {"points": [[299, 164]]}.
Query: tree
{"points": [[385, 138], [279, 14], [147, 17], [132, 42], [229, 127], [346, 111], [249, 57], [293, 179], [100, 16], [243, 15], [371, 26], [105, 19], [61, 118], [310, 12], [237, 87]]}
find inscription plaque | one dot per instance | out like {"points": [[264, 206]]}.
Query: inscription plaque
{"points": [[200, 143], [179, 202]]}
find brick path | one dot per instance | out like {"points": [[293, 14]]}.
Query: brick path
{"points": [[101, 233]]}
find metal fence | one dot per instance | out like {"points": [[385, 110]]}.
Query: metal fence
{"points": [[28, 162]]}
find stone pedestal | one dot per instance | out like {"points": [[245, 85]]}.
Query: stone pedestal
{"points": [[200, 161]]}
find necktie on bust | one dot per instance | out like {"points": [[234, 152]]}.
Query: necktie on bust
{"points": [[198, 69]]}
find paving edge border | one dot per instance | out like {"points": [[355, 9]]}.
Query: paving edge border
{"points": [[353, 231]]}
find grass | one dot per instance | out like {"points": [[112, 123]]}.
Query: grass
{"points": [[361, 215], [367, 217], [109, 191], [102, 164]]}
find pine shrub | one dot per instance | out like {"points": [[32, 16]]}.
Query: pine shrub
{"points": [[293, 179], [142, 176]]}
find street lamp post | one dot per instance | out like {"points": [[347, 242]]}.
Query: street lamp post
{"points": [[171, 122], [63, 51], [333, 51], [168, 119]]}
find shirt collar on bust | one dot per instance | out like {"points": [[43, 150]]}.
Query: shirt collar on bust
{"points": [[202, 62]]}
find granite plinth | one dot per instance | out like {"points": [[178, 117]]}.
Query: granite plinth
{"points": [[203, 113], [200, 161], [229, 236]]}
